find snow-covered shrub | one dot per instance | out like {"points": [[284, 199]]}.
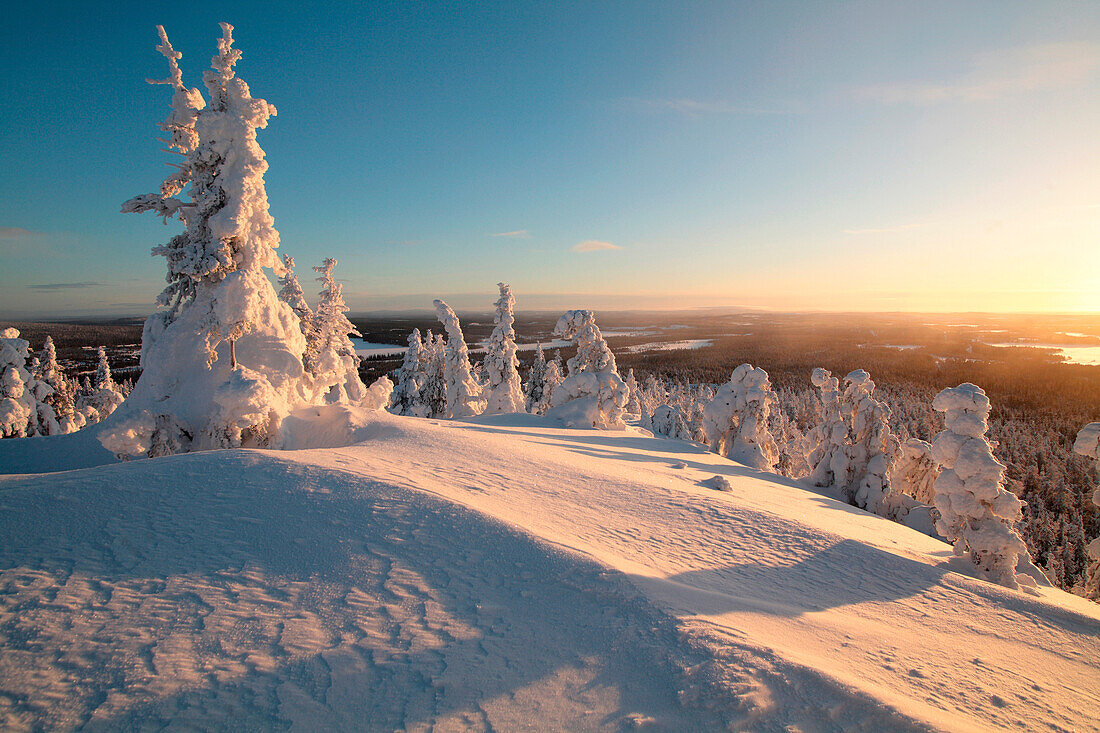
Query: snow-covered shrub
{"points": [[1088, 445], [411, 375], [62, 395], [19, 394], [330, 355], [593, 394], [222, 360], [464, 394], [977, 513], [378, 394], [501, 365], [736, 420], [828, 457], [670, 421], [871, 444]]}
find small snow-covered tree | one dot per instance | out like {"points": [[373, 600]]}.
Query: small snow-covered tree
{"points": [[1088, 445], [62, 396], [915, 470], [222, 359], [829, 439], [501, 365], [406, 399], [736, 420], [105, 396], [19, 406], [551, 381], [433, 390], [977, 514], [334, 364], [535, 384], [291, 294], [670, 421], [634, 400], [464, 394], [593, 394], [871, 444]]}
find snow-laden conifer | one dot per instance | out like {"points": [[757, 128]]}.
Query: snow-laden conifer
{"points": [[535, 383], [1088, 445], [634, 400], [550, 382], [736, 420], [222, 359], [411, 375], [977, 514], [592, 394], [464, 394], [433, 390], [334, 363], [670, 421], [105, 396], [915, 470], [829, 439], [871, 444], [291, 294], [62, 396], [19, 405], [505, 389]]}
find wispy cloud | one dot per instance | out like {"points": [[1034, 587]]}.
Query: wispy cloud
{"points": [[594, 245], [885, 230], [518, 234], [405, 242], [698, 107], [63, 286], [998, 74], [17, 233]]}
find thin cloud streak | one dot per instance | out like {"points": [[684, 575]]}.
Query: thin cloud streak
{"points": [[17, 233], [998, 74], [594, 245], [518, 234], [64, 286]]}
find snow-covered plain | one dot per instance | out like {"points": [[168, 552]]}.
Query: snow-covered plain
{"points": [[503, 573]]}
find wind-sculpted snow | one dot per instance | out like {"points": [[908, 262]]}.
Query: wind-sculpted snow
{"points": [[505, 574]]}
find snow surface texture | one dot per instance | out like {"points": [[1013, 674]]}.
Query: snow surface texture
{"points": [[592, 394], [504, 574], [1088, 445], [977, 513]]}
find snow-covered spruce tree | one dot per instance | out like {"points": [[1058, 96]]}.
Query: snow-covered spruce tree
{"points": [[334, 363], [501, 365], [977, 514], [670, 421], [593, 394], [828, 457], [405, 399], [291, 294], [915, 470], [535, 384], [464, 394], [222, 359], [871, 447], [433, 391], [550, 382], [1088, 445], [736, 420], [23, 413], [62, 396], [105, 396], [634, 400]]}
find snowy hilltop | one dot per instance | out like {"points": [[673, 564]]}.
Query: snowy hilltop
{"points": [[506, 573]]}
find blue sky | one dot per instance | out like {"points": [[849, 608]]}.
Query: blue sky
{"points": [[874, 156]]}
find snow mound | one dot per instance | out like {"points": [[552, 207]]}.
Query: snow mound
{"points": [[491, 573]]}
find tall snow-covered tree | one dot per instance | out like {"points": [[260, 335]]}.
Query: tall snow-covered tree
{"points": [[433, 391], [977, 514], [464, 394], [1088, 445], [736, 420], [828, 455], [222, 359], [592, 394], [334, 363], [411, 375], [871, 447], [535, 383], [501, 364], [62, 397]]}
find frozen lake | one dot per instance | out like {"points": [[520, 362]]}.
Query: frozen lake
{"points": [[1074, 354]]}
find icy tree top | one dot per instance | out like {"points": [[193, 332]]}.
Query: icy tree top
{"points": [[593, 354], [965, 409]]}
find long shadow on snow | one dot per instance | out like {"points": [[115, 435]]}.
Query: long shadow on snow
{"points": [[215, 517]]}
